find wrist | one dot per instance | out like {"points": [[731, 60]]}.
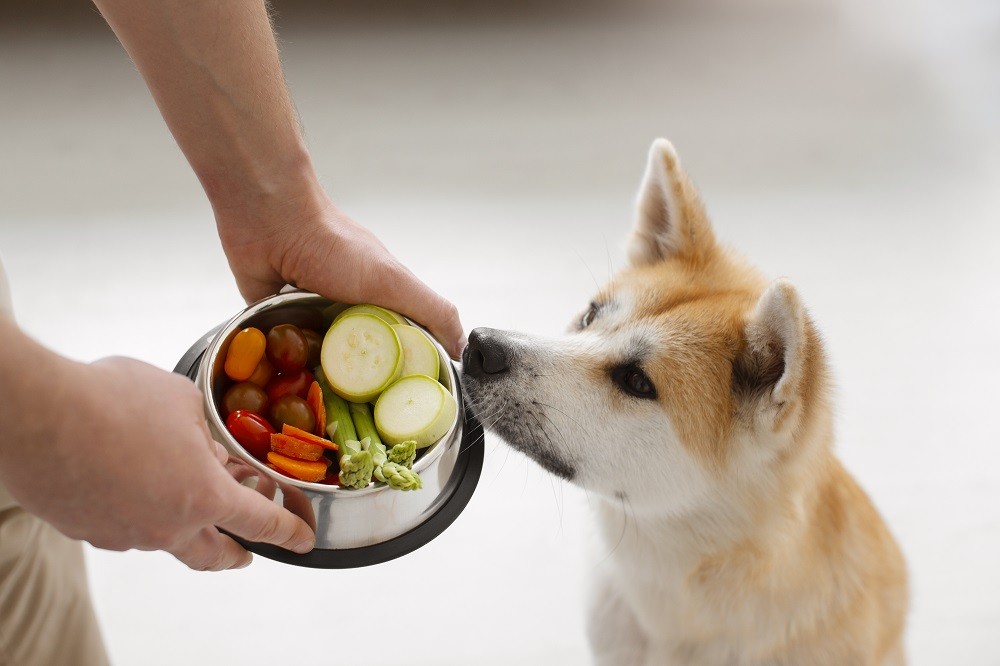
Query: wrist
{"points": [[264, 208], [268, 183]]}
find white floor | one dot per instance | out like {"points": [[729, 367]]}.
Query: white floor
{"points": [[497, 155]]}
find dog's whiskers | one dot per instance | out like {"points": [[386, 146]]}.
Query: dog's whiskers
{"points": [[625, 516], [626, 513], [542, 404], [557, 428], [611, 270], [487, 422], [585, 265], [541, 429], [479, 439], [502, 465]]}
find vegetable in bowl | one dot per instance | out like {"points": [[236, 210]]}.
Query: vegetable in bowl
{"points": [[318, 425]]}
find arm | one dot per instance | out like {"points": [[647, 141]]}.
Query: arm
{"points": [[213, 68], [117, 453]]}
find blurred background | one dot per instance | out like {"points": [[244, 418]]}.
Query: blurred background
{"points": [[496, 148]]}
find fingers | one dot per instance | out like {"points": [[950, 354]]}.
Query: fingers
{"points": [[411, 297], [241, 472], [210, 550], [221, 454], [254, 290], [344, 261], [255, 287], [252, 516]]}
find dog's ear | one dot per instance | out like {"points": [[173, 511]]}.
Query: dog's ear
{"points": [[772, 370], [670, 219]]}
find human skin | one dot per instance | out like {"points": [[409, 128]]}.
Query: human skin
{"points": [[214, 71], [116, 452]]}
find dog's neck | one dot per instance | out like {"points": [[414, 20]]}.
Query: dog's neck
{"points": [[684, 540]]}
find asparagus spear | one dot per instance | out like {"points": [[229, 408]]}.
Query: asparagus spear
{"points": [[398, 477], [403, 453], [362, 460], [338, 414], [356, 464], [361, 414]]}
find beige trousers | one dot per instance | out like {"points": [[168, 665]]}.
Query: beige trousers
{"points": [[46, 618]]}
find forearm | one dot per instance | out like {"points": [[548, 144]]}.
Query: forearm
{"points": [[116, 452], [35, 384], [213, 68], [214, 71]]}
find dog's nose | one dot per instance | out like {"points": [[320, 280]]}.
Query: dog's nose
{"points": [[486, 355]]}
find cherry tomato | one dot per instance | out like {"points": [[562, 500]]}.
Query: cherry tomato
{"points": [[287, 348], [251, 431], [244, 353], [246, 396], [262, 373], [315, 342], [295, 383], [294, 411]]}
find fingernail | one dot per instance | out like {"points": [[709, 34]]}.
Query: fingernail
{"points": [[304, 546]]}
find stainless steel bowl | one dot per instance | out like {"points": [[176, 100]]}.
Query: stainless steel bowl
{"points": [[353, 527]]}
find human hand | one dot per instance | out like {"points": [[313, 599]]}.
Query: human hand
{"points": [[311, 244], [129, 463]]}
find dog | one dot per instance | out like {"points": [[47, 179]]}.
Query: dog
{"points": [[692, 399]]}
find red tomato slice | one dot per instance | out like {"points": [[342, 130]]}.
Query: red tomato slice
{"points": [[252, 432]]}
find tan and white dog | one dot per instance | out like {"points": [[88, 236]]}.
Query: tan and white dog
{"points": [[693, 398]]}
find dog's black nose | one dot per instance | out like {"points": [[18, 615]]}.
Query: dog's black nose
{"points": [[486, 355]]}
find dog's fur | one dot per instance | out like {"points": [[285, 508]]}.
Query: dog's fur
{"points": [[735, 535]]}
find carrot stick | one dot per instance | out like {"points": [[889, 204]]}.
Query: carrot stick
{"points": [[300, 469], [297, 433], [315, 400], [296, 448]]}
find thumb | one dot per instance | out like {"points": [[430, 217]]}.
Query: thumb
{"points": [[248, 514]]}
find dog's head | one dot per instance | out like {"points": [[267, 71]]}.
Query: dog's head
{"points": [[686, 373]]}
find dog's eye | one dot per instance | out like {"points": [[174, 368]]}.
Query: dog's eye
{"points": [[589, 316], [632, 380]]}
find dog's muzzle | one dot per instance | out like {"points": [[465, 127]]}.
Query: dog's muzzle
{"points": [[487, 356]]}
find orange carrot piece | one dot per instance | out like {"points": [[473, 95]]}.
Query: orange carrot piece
{"points": [[315, 400], [298, 433], [295, 448], [300, 469]]}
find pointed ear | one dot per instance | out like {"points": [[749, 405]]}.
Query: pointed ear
{"points": [[773, 365], [670, 219]]}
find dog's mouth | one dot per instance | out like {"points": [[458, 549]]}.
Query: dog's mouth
{"points": [[518, 421]]}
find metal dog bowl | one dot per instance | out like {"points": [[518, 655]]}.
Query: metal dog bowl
{"points": [[354, 528]]}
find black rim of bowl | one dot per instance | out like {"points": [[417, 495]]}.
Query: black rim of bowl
{"points": [[462, 485]]}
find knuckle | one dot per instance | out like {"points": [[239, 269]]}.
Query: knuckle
{"points": [[382, 274], [104, 543], [449, 312], [268, 529], [160, 538], [209, 503], [186, 388], [215, 561]]}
